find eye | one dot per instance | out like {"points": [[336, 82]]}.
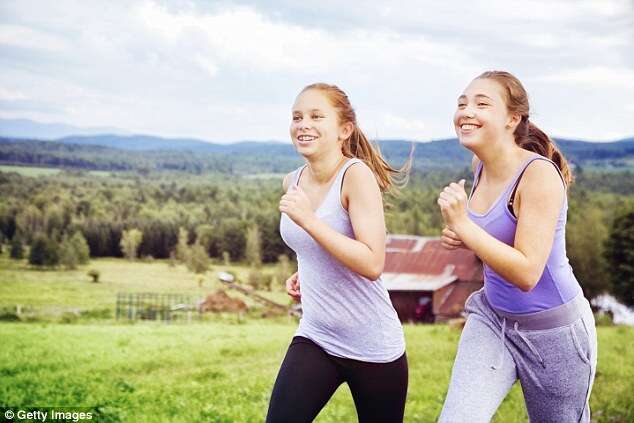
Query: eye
{"points": [[482, 104], [297, 118], [462, 105], [317, 117]]}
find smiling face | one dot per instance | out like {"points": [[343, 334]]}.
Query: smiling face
{"points": [[482, 116], [315, 126]]}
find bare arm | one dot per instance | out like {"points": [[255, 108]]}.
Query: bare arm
{"points": [[365, 254], [542, 195], [286, 181], [448, 238]]}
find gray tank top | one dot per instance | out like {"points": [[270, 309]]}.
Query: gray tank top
{"points": [[344, 313]]}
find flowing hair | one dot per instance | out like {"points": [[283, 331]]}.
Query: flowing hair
{"points": [[527, 134], [358, 145]]}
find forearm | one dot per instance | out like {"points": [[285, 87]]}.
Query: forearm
{"points": [[507, 261], [354, 254]]}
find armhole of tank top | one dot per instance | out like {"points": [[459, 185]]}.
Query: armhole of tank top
{"points": [[343, 175], [511, 199], [298, 174], [476, 179]]}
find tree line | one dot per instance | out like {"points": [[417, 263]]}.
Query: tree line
{"points": [[235, 218]]}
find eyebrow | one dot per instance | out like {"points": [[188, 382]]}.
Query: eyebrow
{"points": [[464, 97], [311, 111]]}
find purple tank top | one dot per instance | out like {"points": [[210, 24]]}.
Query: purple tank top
{"points": [[344, 313], [557, 284]]}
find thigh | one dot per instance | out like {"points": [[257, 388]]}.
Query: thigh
{"points": [[558, 388], [483, 373], [379, 390], [307, 379]]}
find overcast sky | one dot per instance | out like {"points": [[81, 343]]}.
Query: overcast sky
{"points": [[230, 70]]}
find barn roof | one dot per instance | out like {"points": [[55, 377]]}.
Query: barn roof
{"points": [[416, 282], [422, 261]]}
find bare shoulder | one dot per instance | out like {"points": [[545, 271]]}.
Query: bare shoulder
{"points": [[358, 174], [542, 179], [286, 181], [359, 181]]}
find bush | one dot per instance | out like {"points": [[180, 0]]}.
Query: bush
{"points": [[80, 245], [44, 252], [94, 274], [130, 241], [259, 280], [17, 249]]}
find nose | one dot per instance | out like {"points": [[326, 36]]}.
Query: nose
{"points": [[467, 112], [303, 124]]}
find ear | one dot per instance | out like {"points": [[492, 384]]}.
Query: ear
{"points": [[513, 120], [346, 130]]}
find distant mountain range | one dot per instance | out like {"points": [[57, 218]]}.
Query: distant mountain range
{"points": [[26, 128], [15, 148]]}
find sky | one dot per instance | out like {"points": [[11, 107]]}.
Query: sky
{"points": [[230, 70]]}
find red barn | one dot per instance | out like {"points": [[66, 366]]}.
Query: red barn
{"points": [[427, 282]]}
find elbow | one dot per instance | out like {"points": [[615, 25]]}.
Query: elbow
{"points": [[374, 272], [529, 282]]}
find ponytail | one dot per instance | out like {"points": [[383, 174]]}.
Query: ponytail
{"points": [[358, 145], [531, 138], [527, 135], [388, 178]]}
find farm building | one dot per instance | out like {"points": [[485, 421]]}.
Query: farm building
{"points": [[427, 282]]}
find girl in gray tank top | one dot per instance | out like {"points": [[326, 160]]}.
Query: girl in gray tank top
{"points": [[332, 217]]}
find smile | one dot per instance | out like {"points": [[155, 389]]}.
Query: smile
{"points": [[306, 138]]}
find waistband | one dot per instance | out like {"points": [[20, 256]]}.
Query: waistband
{"points": [[555, 317]]}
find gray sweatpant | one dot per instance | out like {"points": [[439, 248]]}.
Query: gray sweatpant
{"points": [[553, 353]]}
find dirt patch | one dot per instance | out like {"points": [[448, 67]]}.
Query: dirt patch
{"points": [[221, 302]]}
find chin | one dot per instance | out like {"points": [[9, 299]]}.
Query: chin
{"points": [[468, 142]]}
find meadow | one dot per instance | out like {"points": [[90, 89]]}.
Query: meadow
{"points": [[219, 370]]}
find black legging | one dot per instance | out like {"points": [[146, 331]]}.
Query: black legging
{"points": [[309, 376]]}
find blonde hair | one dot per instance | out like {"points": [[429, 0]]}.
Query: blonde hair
{"points": [[358, 145]]}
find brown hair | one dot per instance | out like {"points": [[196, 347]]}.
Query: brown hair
{"points": [[358, 145], [528, 135]]}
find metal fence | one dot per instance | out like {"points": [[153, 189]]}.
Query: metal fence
{"points": [[155, 306]]}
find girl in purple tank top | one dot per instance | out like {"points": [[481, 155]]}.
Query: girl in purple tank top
{"points": [[332, 217], [530, 322]]}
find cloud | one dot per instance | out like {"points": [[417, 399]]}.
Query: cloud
{"points": [[24, 37], [594, 75], [230, 69]]}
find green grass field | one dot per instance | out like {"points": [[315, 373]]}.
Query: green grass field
{"points": [[220, 370]]}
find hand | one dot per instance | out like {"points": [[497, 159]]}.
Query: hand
{"points": [[296, 204], [453, 204], [292, 287], [450, 240]]}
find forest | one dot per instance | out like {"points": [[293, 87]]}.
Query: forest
{"points": [[224, 213]]}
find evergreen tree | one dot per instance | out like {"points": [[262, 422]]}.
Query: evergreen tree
{"points": [[620, 255]]}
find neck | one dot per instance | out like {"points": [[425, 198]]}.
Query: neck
{"points": [[500, 160], [324, 167]]}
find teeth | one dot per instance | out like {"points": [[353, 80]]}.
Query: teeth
{"points": [[468, 126], [306, 138]]}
